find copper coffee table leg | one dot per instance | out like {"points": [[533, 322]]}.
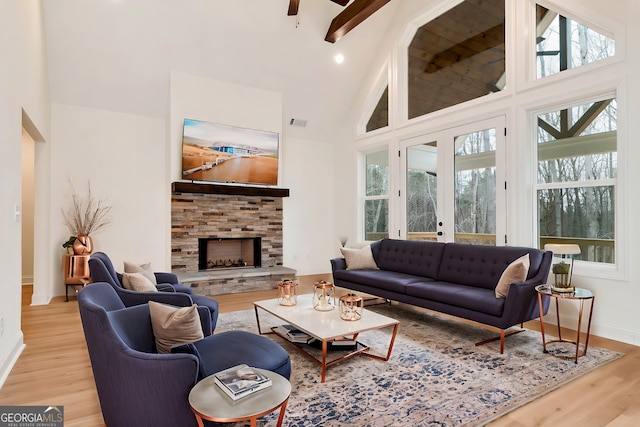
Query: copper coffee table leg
{"points": [[324, 360]]}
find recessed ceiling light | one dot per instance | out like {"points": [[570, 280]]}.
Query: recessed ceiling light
{"points": [[339, 58]]}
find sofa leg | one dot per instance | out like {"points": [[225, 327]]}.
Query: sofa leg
{"points": [[501, 338]]}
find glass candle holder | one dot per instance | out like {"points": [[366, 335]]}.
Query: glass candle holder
{"points": [[324, 296], [351, 307], [287, 292]]}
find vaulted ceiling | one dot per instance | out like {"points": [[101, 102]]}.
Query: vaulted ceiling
{"points": [[117, 55]]}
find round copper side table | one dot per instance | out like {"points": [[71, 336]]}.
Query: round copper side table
{"points": [[578, 294]]}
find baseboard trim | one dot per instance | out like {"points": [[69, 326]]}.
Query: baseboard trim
{"points": [[11, 359]]}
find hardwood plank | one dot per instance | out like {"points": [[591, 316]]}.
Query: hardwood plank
{"points": [[54, 369]]}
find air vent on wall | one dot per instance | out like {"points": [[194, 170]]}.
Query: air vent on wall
{"points": [[298, 122]]}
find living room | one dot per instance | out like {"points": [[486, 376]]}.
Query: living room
{"points": [[130, 150]]}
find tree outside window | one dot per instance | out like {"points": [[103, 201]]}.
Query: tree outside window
{"points": [[577, 169], [376, 200]]}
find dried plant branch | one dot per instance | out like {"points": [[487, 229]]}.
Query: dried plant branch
{"points": [[86, 214]]}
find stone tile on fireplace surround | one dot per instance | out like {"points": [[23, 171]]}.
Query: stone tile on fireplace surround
{"points": [[229, 281], [199, 212]]}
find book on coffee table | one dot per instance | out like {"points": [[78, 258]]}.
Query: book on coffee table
{"points": [[337, 344], [292, 334], [240, 381]]}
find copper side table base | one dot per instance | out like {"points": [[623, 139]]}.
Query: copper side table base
{"points": [[579, 294], [210, 403], [253, 421]]}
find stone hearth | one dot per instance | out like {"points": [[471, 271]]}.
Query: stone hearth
{"points": [[198, 212]]}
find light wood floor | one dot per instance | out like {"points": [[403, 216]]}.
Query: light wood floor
{"points": [[54, 369]]}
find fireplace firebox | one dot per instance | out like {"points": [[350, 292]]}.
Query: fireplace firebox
{"points": [[218, 253]]}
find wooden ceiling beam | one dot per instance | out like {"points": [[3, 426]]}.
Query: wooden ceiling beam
{"points": [[351, 17], [341, 2], [293, 7], [489, 39]]}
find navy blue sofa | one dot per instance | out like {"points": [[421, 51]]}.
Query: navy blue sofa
{"points": [[452, 278]]}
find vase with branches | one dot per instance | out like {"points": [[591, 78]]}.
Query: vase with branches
{"points": [[86, 214]]}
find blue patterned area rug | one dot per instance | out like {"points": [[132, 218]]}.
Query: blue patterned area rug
{"points": [[436, 375]]}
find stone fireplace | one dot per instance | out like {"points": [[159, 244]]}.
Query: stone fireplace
{"points": [[227, 239]]}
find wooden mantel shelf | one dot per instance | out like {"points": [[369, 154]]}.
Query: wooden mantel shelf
{"points": [[233, 190]]}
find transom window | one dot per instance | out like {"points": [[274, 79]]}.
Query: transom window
{"points": [[457, 57], [563, 43]]}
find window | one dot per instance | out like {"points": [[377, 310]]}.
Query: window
{"points": [[577, 169], [563, 43], [376, 199], [475, 187], [457, 57], [380, 116], [422, 191]]}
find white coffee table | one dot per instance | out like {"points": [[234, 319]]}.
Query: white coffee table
{"points": [[326, 326]]}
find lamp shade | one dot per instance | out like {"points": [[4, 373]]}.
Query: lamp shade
{"points": [[562, 248]]}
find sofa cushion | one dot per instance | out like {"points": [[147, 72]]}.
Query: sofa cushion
{"points": [[474, 266], [174, 325], [514, 273], [359, 259], [419, 258], [469, 297], [389, 280]]}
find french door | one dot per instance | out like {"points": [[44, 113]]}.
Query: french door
{"points": [[453, 184]]}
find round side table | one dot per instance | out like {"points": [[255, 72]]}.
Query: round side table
{"points": [[578, 294], [210, 403]]}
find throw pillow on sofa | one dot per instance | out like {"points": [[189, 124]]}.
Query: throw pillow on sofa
{"points": [[359, 259], [515, 272], [144, 269], [137, 282], [174, 326]]}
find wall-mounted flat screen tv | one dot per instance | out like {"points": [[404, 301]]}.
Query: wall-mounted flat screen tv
{"points": [[222, 153]]}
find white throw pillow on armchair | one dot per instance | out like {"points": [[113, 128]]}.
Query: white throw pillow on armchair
{"points": [[144, 269]]}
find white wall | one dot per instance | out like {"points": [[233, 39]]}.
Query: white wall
{"points": [[127, 159], [305, 167], [308, 212], [23, 87], [617, 290], [123, 157]]}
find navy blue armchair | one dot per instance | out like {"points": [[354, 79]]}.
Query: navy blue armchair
{"points": [[102, 270], [139, 387]]}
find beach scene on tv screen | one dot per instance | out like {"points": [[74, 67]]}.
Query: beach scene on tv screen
{"points": [[223, 153]]}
